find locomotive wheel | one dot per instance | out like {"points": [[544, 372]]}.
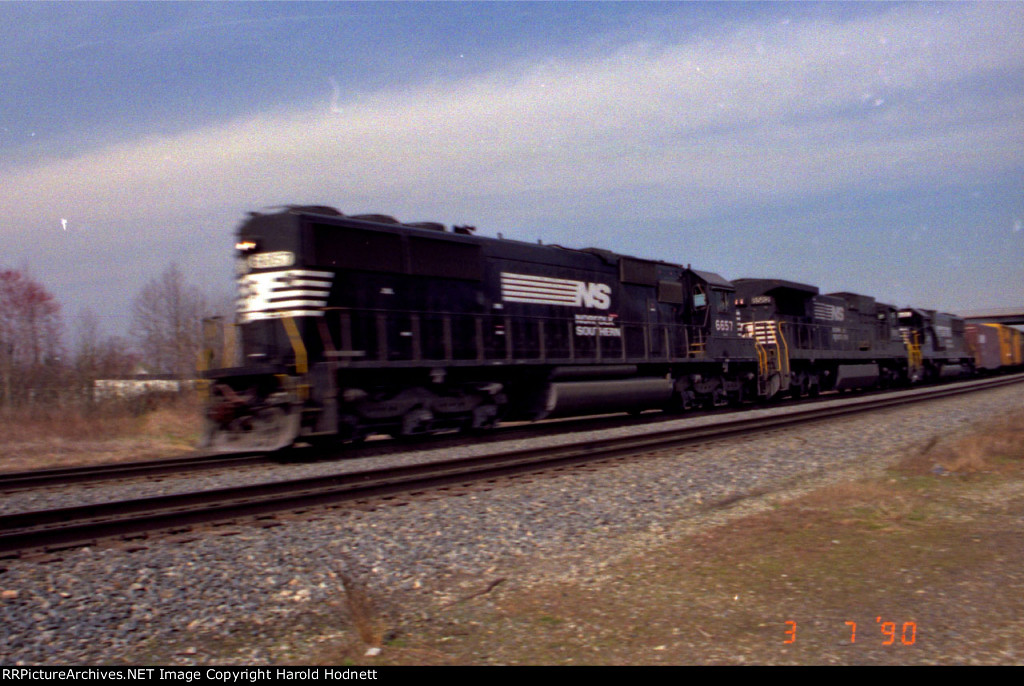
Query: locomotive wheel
{"points": [[798, 388], [417, 422], [687, 400], [719, 398], [484, 417], [350, 429], [736, 399]]}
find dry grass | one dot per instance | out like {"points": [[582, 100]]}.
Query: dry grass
{"points": [[113, 431], [362, 614], [991, 447]]}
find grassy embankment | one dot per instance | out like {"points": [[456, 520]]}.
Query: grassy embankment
{"points": [[922, 565], [110, 431]]}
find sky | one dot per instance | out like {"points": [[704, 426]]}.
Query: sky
{"points": [[868, 147]]}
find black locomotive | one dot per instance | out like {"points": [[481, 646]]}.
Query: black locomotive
{"points": [[350, 325]]}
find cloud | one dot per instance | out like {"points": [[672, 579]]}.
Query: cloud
{"points": [[758, 114]]}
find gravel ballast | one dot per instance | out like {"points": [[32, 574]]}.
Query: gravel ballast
{"points": [[166, 601]]}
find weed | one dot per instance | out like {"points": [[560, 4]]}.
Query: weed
{"points": [[111, 430], [361, 610], [992, 446]]}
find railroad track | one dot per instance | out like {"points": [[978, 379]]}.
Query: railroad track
{"points": [[76, 526], [13, 481], [198, 462]]}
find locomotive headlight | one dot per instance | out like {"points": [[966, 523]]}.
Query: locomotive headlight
{"points": [[245, 246]]}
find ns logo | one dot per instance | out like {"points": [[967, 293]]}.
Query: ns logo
{"points": [[547, 290], [594, 295]]}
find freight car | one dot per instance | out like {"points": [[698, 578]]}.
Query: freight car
{"points": [[995, 346], [350, 325]]}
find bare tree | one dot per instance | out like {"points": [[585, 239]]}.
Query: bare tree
{"points": [[87, 339], [98, 357], [167, 323], [30, 329]]}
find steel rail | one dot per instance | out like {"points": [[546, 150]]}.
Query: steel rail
{"points": [[11, 481], [75, 526]]}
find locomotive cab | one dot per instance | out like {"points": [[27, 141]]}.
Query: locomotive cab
{"points": [[254, 389], [710, 310], [937, 343]]}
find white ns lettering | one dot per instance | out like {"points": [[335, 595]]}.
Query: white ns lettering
{"points": [[595, 295]]}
